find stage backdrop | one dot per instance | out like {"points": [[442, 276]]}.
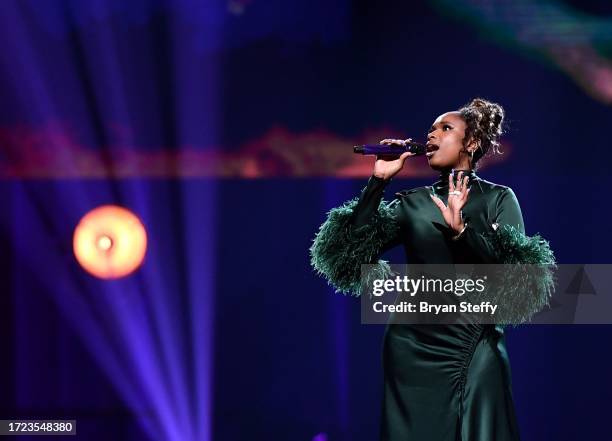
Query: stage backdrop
{"points": [[227, 128]]}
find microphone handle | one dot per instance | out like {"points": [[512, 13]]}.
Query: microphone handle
{"points": [[390, 149]]}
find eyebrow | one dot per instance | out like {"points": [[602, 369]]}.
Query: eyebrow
{"points": [[441, 122]]}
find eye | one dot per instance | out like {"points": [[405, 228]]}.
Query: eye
{"points": [[446, 126]]}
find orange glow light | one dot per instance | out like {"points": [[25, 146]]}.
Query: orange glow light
{"points": [[110, 242]]}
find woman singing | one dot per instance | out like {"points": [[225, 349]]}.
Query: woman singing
{"points": [[441, 382]]}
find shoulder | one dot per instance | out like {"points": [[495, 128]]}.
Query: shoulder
{"points": [[488, 188], [407, 193], [494, 189], [500, 195]]}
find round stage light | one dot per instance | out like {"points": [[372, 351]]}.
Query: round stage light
{"points": [[110, 242]]}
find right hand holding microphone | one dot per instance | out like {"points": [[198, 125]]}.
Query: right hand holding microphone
{"points": [[386, 167]]}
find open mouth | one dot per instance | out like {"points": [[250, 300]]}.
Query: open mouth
{"points": [[431, 149]]}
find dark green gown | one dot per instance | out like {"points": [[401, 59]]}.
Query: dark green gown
{"points": [[445, 382]]}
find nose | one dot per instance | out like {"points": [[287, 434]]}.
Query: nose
{"points": [[430, 136]]}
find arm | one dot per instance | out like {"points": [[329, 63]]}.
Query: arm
{"points": [[353, 234], [487, 246], [526, 282], [371, 209]]}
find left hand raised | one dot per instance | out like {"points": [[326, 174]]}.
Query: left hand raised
{"points": [[452, 212]]}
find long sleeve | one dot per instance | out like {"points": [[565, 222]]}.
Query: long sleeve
{"points": [[525, 283], [368, 202], [507, 212], [369, 208], [356, 233]]}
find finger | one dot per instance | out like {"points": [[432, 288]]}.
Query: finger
{"points": [[464, 196], [451, 184], [459, 185], [405, 155], [465, 183]]}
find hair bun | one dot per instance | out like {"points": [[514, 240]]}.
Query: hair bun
{"points": [[485, 122], [478, 102], [490, 112]]}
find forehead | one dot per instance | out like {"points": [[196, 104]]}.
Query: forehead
{"points": [[451, 117]]}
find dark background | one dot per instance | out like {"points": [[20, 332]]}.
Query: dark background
{"points": [[225, 333]]}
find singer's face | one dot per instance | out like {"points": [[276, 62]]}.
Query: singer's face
{"points": [[447, 133]]}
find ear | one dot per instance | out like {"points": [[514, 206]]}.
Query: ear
{"points": [[473, 145]]}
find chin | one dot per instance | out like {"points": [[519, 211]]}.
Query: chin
{"points": [[434, 164], [438, 164]]}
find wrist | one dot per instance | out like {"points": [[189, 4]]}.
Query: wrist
{"points": [[459, 222], [459, 227], [381, 177], [460, 231]]}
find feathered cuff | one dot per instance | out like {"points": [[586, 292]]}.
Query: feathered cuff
{"points": [[525, 282], [339, 249]]}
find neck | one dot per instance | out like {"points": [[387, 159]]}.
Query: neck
{"points": [[444, 174], [465, 170]]}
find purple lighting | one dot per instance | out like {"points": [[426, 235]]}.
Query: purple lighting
{"points": [[116, 94], [134, 327]]}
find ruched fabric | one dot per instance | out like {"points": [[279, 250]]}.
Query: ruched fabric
{"points": [[447, 382]]}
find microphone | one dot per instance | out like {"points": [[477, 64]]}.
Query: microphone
{"points": [[390, 149]]}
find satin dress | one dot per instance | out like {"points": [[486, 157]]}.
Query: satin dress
{"points": [[445, 382]]}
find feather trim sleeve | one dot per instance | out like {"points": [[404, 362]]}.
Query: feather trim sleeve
{"points": [[524, 284], [340, 248]]}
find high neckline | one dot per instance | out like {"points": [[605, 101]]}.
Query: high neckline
{"points": [[443, 178]]}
